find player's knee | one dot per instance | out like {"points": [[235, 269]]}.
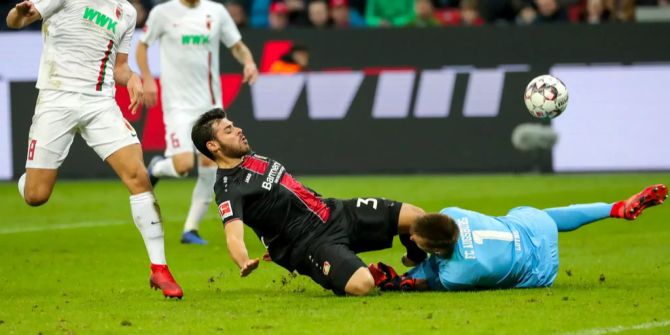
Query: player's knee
{"points": [[363, 287], [183, 169], [136, 179], [361, 283], [134, 175], [183, 163], [34, 202], [36, 188], [36, 197]]}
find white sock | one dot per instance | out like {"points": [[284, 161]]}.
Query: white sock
{"points": [[165, 168], [22, 185], [201, 198], [148, 220]]}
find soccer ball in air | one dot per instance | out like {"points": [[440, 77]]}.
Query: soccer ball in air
{"points": [[546, 97]]}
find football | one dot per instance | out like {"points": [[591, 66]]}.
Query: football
{"points": [[546, 97]]}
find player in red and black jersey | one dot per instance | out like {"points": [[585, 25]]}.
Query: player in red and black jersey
{"points": [[302, 231]]}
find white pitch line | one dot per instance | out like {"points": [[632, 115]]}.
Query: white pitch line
{"points": [[619, 329], [75, 225]]}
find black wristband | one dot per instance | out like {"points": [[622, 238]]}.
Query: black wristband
{"points": [[414, 254]]}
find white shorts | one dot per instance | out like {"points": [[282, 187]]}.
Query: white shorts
{"points": [[178, 125], [59, 115]]}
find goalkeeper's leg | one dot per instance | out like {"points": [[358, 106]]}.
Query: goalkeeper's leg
{"points": [[574, 216]]}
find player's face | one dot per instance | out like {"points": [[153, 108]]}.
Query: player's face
{"points": [[422, 243], [229, 140]]}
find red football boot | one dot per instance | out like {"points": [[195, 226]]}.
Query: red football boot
{"points": [[161, 278], [631, 208]]}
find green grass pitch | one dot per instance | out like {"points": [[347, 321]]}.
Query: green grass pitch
{"points": [[78, 266]]}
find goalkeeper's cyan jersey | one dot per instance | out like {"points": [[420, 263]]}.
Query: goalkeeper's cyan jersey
{"points": [[516, 250]]}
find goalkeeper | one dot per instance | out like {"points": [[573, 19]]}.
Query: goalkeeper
{"points": [[471, 251]]}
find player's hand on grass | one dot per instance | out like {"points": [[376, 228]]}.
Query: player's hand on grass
{"points": [[250, 73], [150, 92], [25, 8], [136, 92], [249, 266], [266, 256]]}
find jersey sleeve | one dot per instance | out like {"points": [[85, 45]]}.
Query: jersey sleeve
{"points": [[461, 279], [428, 270], [153, 28], [47, 7], [127, 37], [229, 32], [230, 206]]}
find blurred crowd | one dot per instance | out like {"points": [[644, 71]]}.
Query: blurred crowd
{"points": [[325, 14]]}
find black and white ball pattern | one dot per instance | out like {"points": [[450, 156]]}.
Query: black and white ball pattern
{"points": [[546, 97]]}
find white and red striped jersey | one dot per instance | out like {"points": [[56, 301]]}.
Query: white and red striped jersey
{"points": [[81, 41], [189, 52]]}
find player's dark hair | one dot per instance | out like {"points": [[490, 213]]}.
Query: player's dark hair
{"points": [[202, 131], [439, 232]]}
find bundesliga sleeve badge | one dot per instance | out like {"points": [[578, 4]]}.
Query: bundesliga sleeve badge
{"points": [[225, 210]]}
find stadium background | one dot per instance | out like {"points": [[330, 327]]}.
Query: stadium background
{"points": [[409, 100], [423, 104]]}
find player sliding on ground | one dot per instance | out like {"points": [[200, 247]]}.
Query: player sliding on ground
{"points": [[317, 237], [85, 53], [473, 251]]}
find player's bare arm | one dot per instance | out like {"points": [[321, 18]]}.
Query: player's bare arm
{"points": [[238, 251], [243, 55], [22, 15], [408, 215], [149, 83], [124, 76]]}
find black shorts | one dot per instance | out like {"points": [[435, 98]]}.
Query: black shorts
{"points": [[356, 225]]}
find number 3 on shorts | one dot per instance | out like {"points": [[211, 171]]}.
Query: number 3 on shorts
{"points": [[367, 202]]}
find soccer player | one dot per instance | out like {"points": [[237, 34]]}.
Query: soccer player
{"points": [[472, 251], [189, 32], [85, 52], [302, 231]]}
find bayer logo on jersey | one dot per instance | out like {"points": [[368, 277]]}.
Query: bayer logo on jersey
{"points": [[546, 97]]}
